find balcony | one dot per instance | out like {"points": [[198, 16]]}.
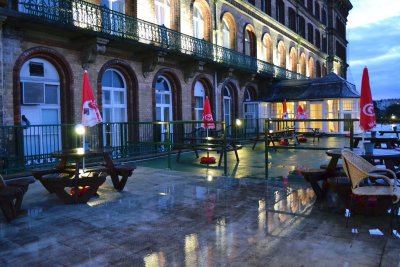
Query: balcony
{"points": [[106, 23]]}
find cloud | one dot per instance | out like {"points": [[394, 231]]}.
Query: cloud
{"points": [[366, 13]]}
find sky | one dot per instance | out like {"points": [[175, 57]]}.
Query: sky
{"points": [[373, 33]]}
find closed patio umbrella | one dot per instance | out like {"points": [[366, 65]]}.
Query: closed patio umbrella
{"points": [[367, 112]]}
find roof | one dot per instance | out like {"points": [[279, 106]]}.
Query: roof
{"points": [[331, 86]]}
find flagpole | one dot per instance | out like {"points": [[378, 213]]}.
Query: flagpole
{"points": [[84, 150]]}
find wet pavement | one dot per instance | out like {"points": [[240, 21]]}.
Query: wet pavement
{"points": [[171, 218]]}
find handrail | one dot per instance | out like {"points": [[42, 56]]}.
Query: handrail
{"points": [[108, 23]]}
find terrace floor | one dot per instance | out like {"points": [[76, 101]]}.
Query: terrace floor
{"points": [[172, 218]]}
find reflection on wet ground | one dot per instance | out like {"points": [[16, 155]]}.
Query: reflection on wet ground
{"points": [[170, 218]]}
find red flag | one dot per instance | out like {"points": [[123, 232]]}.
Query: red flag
{"points": [[367, 112], [90, 112], [207, 115], [285, 115], [300, 114]]}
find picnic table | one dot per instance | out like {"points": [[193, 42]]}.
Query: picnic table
{"points": [[277, 136], [389, 132], [389, 141], [210, 144], [64, 175]]}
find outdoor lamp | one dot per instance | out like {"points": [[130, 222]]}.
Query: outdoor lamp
{"points": [[238, 122], [393, 117], [80, 129]]}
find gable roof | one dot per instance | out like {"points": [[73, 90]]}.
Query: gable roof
{"points": [[331, 86]]}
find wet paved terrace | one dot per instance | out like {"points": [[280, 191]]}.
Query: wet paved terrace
{"points": [[171, 218]]}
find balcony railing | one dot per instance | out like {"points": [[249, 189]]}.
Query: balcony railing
{"points": [[109, 23]]}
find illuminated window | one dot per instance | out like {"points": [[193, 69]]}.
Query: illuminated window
{"points": [[225, 34], [199, 96], [198, 22], [163, 10], [348, 104]]}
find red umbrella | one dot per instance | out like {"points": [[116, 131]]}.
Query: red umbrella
{"points": [[300, 114], [207, 115], [285, 115], [367, 113], [90, 112]]}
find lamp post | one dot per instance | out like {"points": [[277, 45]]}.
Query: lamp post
{"points": [[238, 124], [80, 130]]}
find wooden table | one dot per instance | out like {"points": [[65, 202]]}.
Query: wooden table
{"points": [[391, 157], [390, 141], [390, 132], [92, 180], [276, 136], [209, 144]]}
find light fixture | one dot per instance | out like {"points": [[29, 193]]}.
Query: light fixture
{"points": [[80, 129], [393, 117], [238, 122]]}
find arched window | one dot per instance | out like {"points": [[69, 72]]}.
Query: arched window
{"points": [[293, 59], [303, 64], [225, 34], [227, 106], [114, 105], [163, 99], [318, 69], [163, 12], [250, 46], [199, 97], [40, 85], [267, 48], [281, 55], [198, 22], [311, 67]]}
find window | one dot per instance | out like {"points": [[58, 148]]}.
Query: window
{"points": [[225, 34], [310, 30], [302, 27], [311, 67], [281, 56], [198, 22], [163, 106], [292, 19], [280, 11], [249, 41], [227, 106], [293, 59], [317, 39], [266, 7], [317, 11], [303, 64], [199, 98], [163, 10], [310, 6], [267, 48], [114, 107], [40, 95]]}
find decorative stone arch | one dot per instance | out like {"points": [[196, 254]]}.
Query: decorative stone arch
{"points": [[209, 91], [131, 86], [293, 59], [303, 67], [267, 48], [318, 69], [176, 93], [252, 91], [249, 29], [66, 81], [205, 10], [233, 89], [281, 53], [311, 72], [230, 20]]}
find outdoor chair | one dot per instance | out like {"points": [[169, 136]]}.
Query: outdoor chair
{"points": [[11, 195], [368, 180]]}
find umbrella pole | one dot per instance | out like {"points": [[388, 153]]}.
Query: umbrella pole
{"points": [[84, 148], [362, 141]]}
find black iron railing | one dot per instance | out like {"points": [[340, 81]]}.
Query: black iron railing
{"points": [[110, 23]]}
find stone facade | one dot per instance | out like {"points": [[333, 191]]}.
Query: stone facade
{"points": [[72, 50]]}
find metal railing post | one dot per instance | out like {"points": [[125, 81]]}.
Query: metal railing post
{"points": [[169, 143], [225, 157], [351, 135], [266, 144]]}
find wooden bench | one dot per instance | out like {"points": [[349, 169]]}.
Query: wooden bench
{"points": [[278, 136]]}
